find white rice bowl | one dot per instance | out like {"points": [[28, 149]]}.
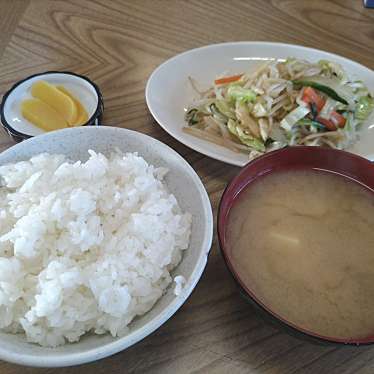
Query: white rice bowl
{"points": [[84, 246], [181, 181]]}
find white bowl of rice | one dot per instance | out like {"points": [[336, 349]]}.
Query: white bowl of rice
{"points": [[104, 233]]}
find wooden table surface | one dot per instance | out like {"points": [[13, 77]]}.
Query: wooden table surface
{"points": [[118, 44]]}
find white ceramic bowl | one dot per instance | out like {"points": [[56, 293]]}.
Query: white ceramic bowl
{"points": [[169, 93], [86, 91], [181, 180]]}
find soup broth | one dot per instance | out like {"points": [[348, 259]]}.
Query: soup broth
{"points": [[303, 243]]}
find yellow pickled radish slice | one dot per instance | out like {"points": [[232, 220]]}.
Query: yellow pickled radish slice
{"points": [[62, 103], [82, 119], [82, 116], [42, 115]]}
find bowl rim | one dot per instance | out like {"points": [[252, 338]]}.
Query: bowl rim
{"points": [[96, 115], [250, 296], [119, 344]]}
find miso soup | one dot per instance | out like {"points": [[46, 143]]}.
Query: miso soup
{"points": [[303, 243]]}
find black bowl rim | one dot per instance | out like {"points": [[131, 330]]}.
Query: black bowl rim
{"points": [[266, 314], [91, 121]]}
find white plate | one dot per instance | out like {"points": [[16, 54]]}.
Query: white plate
{"points": [[168, 92]]}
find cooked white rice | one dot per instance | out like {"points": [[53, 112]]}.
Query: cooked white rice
{"points": [[85, 246]]}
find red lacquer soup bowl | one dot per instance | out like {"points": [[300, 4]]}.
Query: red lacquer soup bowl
{"points": [[346, 164]]}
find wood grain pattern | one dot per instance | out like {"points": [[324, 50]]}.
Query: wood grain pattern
{"points": [[118, 44]]}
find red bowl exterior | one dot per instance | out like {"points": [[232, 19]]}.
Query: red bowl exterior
{"points": [[315, 158]]}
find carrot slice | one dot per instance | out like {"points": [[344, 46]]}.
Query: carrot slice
{"points": [[337, 119], [310, 96], [230, 79], [327, 123]]}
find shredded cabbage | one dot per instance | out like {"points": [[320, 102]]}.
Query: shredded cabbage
{"points": [[244, 137], [364, 107], [225, 108], [329, 106], [259, 110], [294, 116], [242, 94], [335, 69]]}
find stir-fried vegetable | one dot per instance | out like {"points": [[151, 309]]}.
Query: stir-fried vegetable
{"points": [[245, 137], [311, 123], [337, 119], [225, 109], [333, 123], [191, 117], [241, 94], [226, 80], [332, 68], [293, 117], [311, 97], [321, 87], [281, 103], [364, 107], [329, 106]]}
